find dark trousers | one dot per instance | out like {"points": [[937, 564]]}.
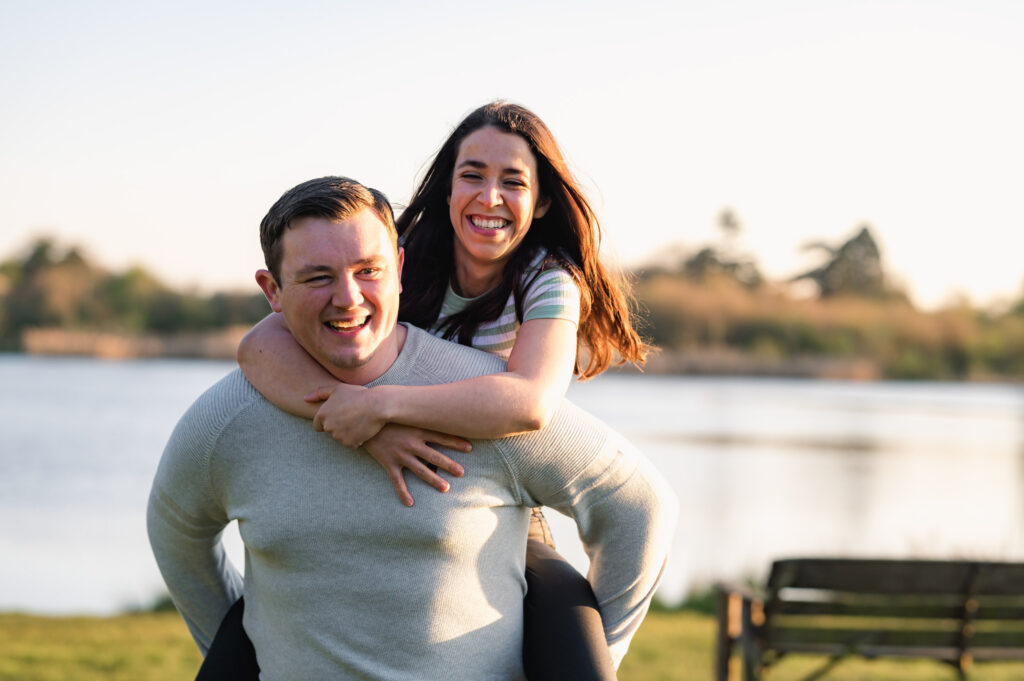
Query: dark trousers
{"points": [[231, 656], [563, 637]]}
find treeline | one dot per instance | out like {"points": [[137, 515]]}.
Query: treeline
{"points": [[50, 286], [854, 318], [710, 310]]}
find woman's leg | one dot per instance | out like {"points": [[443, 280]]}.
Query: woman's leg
{"points": [[563, 636], [231, 656]]}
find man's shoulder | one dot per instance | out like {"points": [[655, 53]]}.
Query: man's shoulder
{"points": [[231, 391], [428, 359], [218, 407]]}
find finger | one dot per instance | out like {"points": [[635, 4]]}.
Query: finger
{"points": [[435, 457], [398, 482], [318, 423], [428, 476], [450, 441], [318, 395]]}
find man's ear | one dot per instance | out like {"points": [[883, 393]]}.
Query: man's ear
{"points": [[542, 207], [270, 288], [401, 263]]}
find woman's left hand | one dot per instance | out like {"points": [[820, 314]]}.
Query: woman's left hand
{"points": [[347, 414]]}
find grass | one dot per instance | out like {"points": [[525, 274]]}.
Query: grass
{"points": [[142, 647], [671, 646]]}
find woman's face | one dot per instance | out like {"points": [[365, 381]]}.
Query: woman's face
{"points": [[494, 199]]}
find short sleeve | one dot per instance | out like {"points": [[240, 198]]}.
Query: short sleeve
{"points": [[552, 295]]}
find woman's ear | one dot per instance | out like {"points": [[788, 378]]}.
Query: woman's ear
{"points": [[542, 207]]}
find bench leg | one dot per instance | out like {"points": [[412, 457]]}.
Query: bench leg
{"points": [[748, 644], [725, 639]]}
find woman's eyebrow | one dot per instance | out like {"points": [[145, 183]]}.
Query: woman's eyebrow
{"points": [[480, 165]]}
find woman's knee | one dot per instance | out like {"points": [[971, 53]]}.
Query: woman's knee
{"points": [[553, 580]]}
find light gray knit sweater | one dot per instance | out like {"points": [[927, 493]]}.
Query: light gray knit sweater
{"points": [[343, 582]]}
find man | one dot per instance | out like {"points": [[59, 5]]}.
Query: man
{"points": [[339, 581]]}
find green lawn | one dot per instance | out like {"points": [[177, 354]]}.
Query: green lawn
{"points": [[157, 647]]}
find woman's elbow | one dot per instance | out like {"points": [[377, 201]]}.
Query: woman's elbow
{"points": [[539, 415], [245, 350], [254, 341]]}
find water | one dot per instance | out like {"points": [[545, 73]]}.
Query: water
{"points": [[763, 468]]}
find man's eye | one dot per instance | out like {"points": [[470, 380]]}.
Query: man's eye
{"points": [[318, 279], [369, 271]]}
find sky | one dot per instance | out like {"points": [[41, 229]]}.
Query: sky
{"points": [[160, 133]]}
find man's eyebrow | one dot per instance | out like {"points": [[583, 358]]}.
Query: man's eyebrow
{"points": [[369, 260], [310, 269]]}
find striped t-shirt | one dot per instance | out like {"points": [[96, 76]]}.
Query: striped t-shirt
{"points": [[552, 295]]}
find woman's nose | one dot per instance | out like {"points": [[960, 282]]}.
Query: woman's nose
{"points": [[490, 195]]}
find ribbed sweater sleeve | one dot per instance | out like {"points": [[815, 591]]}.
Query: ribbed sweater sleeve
{"points": [[624, 510], [185, 517]]}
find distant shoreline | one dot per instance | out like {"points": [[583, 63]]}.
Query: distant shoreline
{"points": [[222, 343], [218, 344]]}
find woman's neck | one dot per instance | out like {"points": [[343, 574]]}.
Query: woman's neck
{"points": [[472, 280]]}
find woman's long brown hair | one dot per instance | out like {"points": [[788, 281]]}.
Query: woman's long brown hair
{"points": [[569, 231]]}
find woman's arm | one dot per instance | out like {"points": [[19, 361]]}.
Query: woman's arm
{"points": [[283, 372], [280, 369], [518, 400]]}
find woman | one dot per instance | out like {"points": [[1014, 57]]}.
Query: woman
{"points": [[501, 254]]}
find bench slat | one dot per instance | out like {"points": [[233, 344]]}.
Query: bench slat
{"points": [[897, 638], [948, 653], [894, 610], [898, 577]]}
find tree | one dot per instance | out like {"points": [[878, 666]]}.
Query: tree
{"points": [[855, 268], [719, 261], [55, 286]]}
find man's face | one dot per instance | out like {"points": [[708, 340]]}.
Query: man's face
{"points": [[338, 292]]}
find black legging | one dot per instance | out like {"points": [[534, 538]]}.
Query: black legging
{"points": [[563, 637], [231, 656]]}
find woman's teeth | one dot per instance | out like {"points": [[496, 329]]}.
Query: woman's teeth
{"points": [[488, 223]]}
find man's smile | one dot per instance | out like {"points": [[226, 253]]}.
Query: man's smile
{"points": [[347, 326]]}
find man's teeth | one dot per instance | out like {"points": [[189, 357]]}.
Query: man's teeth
{"points": [[489, 223], [347, 324]]}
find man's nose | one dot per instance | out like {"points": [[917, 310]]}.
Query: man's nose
{"points": [[347, 293]]}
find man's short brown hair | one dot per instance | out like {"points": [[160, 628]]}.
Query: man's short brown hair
{"points": [[333, 198]]}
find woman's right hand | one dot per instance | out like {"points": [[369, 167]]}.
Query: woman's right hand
{"points": [[345, 414], [396, 447]]}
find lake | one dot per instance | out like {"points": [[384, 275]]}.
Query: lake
{"points": [[763, 468]]}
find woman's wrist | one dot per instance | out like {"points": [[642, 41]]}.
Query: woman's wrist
{"points": [[382, 403]]}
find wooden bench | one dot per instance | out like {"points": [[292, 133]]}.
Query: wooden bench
{"points": [[953, 611]]}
